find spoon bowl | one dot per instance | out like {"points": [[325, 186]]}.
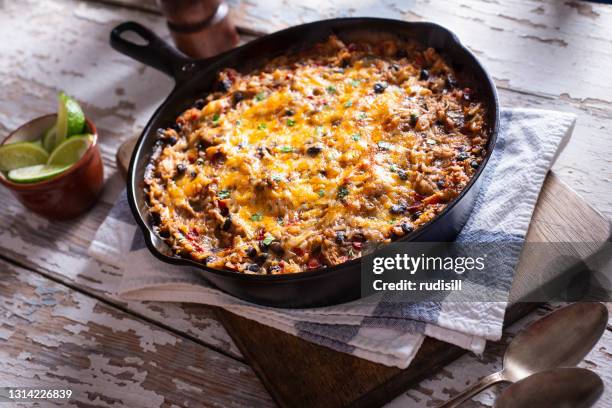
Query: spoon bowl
{"points": [[561, 339], [557, 388]]}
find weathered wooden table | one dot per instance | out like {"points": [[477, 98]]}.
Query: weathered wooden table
{"points": [[60, 322]]}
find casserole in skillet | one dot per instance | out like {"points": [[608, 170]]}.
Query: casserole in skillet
{"points": [[306, 162], [198, 78]]}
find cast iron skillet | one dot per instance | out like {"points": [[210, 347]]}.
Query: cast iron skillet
{"points": [[195, 78]]}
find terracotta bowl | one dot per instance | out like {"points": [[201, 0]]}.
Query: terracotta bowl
{"points": [[67, 195]]}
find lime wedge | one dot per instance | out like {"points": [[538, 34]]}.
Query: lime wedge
{"points": [[22, 154], [32, 174], [71, 150], [48, 139], [70, 118]]}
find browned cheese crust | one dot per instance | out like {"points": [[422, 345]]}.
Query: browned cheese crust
{"points": [[308, 161]]}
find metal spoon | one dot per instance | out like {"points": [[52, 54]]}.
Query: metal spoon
{"points": [[561, 338], [557, 388]]}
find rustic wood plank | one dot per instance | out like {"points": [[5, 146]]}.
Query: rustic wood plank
{"points": [[53, 336], [118, 106]]}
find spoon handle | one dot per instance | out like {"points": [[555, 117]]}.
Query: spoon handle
{"points": [[486, 382]]}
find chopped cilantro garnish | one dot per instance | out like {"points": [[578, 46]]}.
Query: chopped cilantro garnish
{"points": [[355, 82], [277, 177], [356, 137], [286, 149], [348, 104], [290, 122], [331, 89], [363, 115], [260, 97], [256, 217], [431, 141], [342, 193], [320, 131], [268, 240], [384, 145], [393, 168], [321, 193], [262, 126], [280, 221], [238, 122], [223, 194], [215, 117]]}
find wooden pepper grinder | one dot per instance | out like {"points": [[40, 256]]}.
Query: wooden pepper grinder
{"points": [[200, 28]]}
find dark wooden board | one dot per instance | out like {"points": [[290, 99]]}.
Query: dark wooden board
{"points": [[301, 374]]}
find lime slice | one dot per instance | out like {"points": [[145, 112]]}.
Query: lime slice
{"points": [[22, 154], [70, 118], [49, 139], [32, 174], [71, 150]]}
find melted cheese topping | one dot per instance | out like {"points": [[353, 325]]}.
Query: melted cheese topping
{"points": [[306, 162]]}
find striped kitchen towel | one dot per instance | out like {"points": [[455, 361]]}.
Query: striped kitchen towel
{"points": [[385, 332]]}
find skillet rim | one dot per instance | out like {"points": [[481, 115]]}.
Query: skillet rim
{"points": [[181, 82]]}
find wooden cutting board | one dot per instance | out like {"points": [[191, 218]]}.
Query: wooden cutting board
{"points": [[298, 373]]}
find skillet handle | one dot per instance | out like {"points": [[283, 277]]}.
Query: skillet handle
{"points": [[155, 52]]}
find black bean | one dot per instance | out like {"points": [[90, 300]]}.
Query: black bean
{"points": [[359, 237], [223, 85], [200, 161], [402, 174], [227, 224], [193, 174], [237, 97], [462, 156], [340, 237], [380, 87], [397, 209], [407, 228], [416, 216], [202, 145], [208, 259], [424, 75], [224, 211], [155, 218], [274, 268], [277, 248], [170, 140], [440, 184], [251, 252], [261, 258], [414, 117], [164, 233], [199, 104], [345, 62], [181, 168], [176, 126], [451, 82], [263, 246], [253, 267], [289, 112], [401, 53], [474, 164], [314, 150]]}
